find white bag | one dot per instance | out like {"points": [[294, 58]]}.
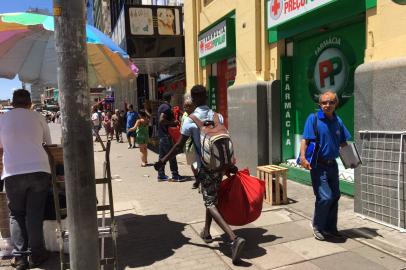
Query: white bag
{"points": [[51, 241]]}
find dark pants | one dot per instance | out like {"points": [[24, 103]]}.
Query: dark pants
{"points": [[327, 191], [27, 195], [165, 144]]}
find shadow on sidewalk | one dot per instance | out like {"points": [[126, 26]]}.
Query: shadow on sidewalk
{"points": [[143, 240], [254, 237], [362, 232]]}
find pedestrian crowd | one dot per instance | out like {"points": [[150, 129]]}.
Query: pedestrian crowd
{"points": [[201, 132]]}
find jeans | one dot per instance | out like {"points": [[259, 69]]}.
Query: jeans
{"points": [[27, 194], [327, 191], [165, 144]]}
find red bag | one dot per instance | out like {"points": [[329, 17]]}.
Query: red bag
{"points": [[240, 198], [174, 133]]}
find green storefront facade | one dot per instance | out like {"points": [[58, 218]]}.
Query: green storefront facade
{"points": [[324, 44]]}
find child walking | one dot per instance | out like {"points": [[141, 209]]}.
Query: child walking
{"points": [[142, 136]]}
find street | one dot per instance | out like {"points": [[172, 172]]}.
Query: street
{"points": [[159, 225]]}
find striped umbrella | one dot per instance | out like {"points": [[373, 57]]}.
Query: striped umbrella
{"points": [[27, 49]]}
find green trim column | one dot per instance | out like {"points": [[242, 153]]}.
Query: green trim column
{"points": [[287, 110], [212, 87]]}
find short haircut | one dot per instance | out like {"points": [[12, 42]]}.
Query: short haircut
{"points": [[329, 92], [198, 92], [142, 113], [167, 96], [131, 107], [21, 98]]}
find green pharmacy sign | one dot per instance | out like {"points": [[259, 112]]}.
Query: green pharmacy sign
{"points": [[332, 67]]}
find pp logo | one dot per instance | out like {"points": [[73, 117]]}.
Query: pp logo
{"points": [[275, 9], [331, 70]]}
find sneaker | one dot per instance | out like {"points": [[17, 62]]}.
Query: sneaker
{"points": [[20, 263], [178, 178], [163, 178], [335, 234], [236, 249], [195, 185], [318, 234], [37, 260], [134, 146], [206, 237], [129, 147]]}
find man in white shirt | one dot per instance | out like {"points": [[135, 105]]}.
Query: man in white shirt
{"points": [[26, 172], [96, 115]]}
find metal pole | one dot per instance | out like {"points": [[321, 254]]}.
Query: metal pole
{"points": [[70, 44]]}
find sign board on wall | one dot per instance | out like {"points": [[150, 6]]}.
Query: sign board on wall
{"points": [[281, 11], [287, 112], [142, 21], [213, 40]]}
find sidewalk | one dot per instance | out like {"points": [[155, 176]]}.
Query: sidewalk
{"points": [[159, 223]]}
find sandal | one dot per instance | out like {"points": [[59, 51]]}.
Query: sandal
{"points": [[206, 238]]}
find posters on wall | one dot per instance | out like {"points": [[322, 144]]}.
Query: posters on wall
{"points": [[167, 21], [141, 21]]}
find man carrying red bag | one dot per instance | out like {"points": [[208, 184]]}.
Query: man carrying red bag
{"points": [[209, 180]]}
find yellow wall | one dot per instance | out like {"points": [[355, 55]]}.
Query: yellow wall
{"points": [[258, 60], [252, 48], [386, 31]]}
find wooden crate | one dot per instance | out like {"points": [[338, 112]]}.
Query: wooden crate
{"points": [[275, 178], [57, 153]]}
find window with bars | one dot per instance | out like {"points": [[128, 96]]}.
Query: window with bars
{"points": [[382, 177]]}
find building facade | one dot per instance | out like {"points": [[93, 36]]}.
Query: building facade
{"points": [[272, 59]]}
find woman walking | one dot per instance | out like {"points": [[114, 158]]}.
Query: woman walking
{"points": [[108, 126], [142, 136]]}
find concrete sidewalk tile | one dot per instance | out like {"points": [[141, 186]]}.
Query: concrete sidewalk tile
{"points": [[346, 260], [350, 244], [243, 264], [277, 256], [311, 248], [215, 230], [285, 232], [381, 258], [274, 217], [299, 266]]}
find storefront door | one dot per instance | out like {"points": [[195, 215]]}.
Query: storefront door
{"points": [[321, 62]]}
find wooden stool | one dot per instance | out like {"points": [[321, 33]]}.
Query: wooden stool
{"points": [[275, 178]]}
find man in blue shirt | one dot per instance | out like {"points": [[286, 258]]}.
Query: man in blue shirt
{"points": [[332, 134], [209, 180], [131, 117]]}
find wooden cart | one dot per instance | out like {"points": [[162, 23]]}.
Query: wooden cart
{"points": [[55, 154]]}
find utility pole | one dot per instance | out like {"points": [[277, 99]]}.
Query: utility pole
{"points": [[70, 44]]}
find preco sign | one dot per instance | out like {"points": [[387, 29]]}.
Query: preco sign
{"points": [[280, 11], [213, 40]]}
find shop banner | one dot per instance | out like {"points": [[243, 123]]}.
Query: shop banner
{"points": [[280, 11], [287, 111], [213, 40], [212, 85]]}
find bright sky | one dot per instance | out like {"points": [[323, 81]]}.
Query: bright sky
{"points": [[7, 86]]}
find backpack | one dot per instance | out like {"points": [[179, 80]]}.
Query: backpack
{"points": [[217, 152]]}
